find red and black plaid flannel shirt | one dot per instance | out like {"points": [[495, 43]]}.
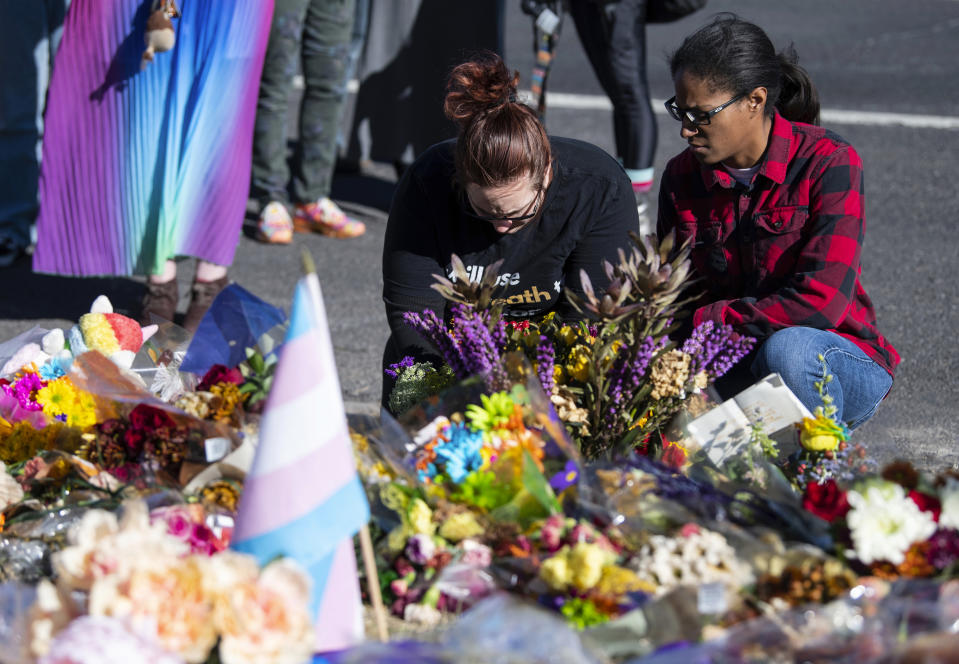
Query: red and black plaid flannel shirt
{"points": [[784, 251]]}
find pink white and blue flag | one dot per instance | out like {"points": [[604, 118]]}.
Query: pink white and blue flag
{"points": [[302, 497]]}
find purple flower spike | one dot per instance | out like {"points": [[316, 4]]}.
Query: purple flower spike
{"points": [[545, 362], [715, 348]]}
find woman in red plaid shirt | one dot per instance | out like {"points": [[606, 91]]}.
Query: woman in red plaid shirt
{"points": [[773, 207]]}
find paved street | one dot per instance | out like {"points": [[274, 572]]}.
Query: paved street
{"points": [[869, 59]]}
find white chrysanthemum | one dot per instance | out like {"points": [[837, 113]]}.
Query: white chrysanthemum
{"points": [[693, 559], [884, 522], [949, 518]]}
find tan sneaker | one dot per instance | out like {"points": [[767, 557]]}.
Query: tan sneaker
{"points": [[327, 218], [274, 225]]}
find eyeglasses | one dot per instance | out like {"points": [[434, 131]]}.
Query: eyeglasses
{"points": [[694, 116], [469, 208]]}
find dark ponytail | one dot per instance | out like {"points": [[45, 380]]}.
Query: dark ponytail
{"points": [[500, 139], [737, 56], [798, 100]]}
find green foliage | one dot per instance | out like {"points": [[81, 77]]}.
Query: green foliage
{"points": [[258, 370], [484, 490], [416, 383], [494, 413], [582, 613], [760, 439]]}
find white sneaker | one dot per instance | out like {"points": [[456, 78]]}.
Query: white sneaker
{"points": [[275, 226]]}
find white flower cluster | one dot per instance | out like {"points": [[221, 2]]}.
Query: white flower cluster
{"points": [[884, 522], [949, 495], [697, 557]]}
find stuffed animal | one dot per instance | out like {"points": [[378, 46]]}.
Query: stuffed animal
{"points": [[159, 36], [115, 335]]}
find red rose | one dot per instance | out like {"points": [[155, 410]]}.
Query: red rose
{"points": [[926, 503], [134, 439], [220, 373], [150, 418], [826, 500]]}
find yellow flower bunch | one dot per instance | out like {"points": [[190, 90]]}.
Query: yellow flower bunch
{"points": [[616, 581], [568, 334], [23, 442], [60, 397], [230, 399], [420, 517], [221, 493], [821, 433], [460, 526], [581, 567], [577, 367]]}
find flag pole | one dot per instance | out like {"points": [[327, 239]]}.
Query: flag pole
{"points": [[366, 542], [373, 583]]}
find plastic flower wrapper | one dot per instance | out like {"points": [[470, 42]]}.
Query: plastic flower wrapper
{"points": [[646, 495], [180, 444], [158, 362], [367, 433], [39, 398], [872, 622], [503, 452], [498, 629], [26, 344], [235, 321], [59, 488]]}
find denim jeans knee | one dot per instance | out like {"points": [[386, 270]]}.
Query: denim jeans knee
{"points": [[802, 356]]}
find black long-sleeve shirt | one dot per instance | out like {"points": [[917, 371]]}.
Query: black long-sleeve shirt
{"points": [[587, 213]]}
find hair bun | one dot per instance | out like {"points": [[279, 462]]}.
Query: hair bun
{"points": [[477, 86]]}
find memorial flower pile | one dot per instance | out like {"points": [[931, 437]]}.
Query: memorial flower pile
{"points": [[535, 463]]}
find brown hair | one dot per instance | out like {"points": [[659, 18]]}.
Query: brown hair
{"points": [[500, 139]]}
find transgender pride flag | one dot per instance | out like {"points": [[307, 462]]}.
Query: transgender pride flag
{"points": [[302, 498]]}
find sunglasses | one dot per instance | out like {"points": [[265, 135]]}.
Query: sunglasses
{"points": [[694, 116]]}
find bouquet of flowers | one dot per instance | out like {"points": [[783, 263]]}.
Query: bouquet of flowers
{"points": [[156, 582], [615, 377]]}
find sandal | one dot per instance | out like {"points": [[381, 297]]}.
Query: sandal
{"points": [[274, 225], [327, 218]]}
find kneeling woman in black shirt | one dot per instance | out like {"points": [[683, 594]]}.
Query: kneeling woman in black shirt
{"points": [[547, 206]]}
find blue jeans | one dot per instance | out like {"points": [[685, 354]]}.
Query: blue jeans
{"points": [[29, 35], [858, 383]]}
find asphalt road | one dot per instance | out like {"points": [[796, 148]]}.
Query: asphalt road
{"points": [[864, 55]]}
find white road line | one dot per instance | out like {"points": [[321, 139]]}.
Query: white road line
{"points": [[571, 101]]}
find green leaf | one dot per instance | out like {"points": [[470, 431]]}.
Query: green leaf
{"points": [[534, 482]]}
